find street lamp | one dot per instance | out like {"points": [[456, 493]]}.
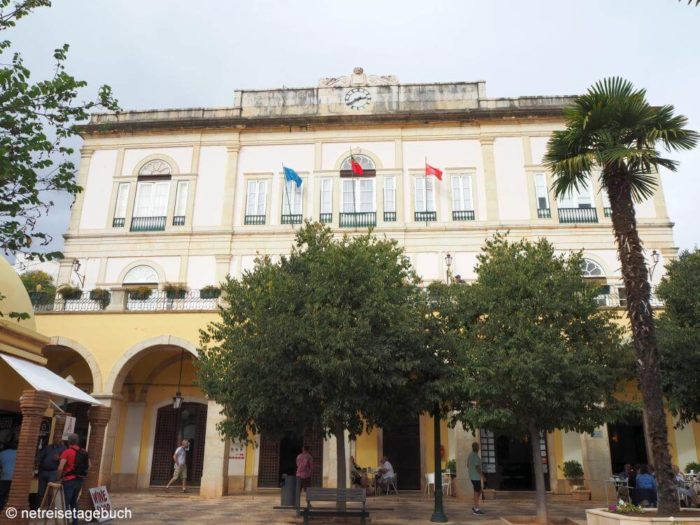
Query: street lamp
{"points": [[177, 400], [655, 258], [448, 266], [76, 269]]}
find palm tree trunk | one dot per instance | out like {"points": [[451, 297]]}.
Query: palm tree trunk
{"points": [[638, 289], [540, 489], [339, 433]]}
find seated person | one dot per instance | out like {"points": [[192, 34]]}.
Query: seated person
{"points": [[627, 475], [645, 488], [384, 473], [357, 476], [687, 495]]}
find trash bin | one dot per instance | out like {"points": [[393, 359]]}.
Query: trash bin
{"points": [[289, 486]]}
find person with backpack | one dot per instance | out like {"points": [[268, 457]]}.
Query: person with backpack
{"points": [[47, 465], [72, 469]]}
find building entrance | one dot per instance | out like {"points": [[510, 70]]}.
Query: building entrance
{"points": [[507, 462], [627, 444], [279, 457], [402, 448], [172, 426]]}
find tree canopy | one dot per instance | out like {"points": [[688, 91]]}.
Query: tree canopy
{"points": [[541, 355], [37, 121], [679, 335], [324, 338]]}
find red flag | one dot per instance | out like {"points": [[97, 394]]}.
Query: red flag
{"points": [[429, 170], [355, 166]]}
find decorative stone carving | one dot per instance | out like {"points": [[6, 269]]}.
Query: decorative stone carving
{"points": [[155, 167], [141, 275], [591, 269], [359, 78]]}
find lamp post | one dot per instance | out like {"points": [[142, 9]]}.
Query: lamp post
{"points": [[448, 267], [655, 258], [177, 400], [76, 269]]}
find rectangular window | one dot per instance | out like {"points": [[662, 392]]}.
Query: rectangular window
{"points": [[581, 198], [181, 198], [122, 201], [389, 195], [256, 201], [358, 195], [462, 193], [292, 198], [152, 199], [326, 195], [541, 193], [425, 194]]}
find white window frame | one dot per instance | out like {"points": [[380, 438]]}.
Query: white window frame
{"points": [[359, 206], [258, 206], [181, 196], [326, 204], [292, 195], [121, 205], [462, 200], [541, 191], [152, 208], [424, 186], [390, 194], [573, 198]]}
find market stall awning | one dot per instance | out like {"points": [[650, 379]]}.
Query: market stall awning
{"points": [[45, 380]]}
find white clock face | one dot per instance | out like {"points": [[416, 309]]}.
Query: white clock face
{"points": [[357, 98]]}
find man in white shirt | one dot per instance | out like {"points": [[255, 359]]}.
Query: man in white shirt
{"points": [[385, 472], [180, 460]]}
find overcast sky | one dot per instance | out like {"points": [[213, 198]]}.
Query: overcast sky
{"points": [[171, 53]]}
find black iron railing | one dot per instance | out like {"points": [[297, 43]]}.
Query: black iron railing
{"points": [[254, 219], [578, 215], [118, 222], [160, 300], [148, 224], [544, 213], [425, 216], [362, 219], [179, 220], [607, 212], [325, 218], [126, 300], [389, 216], [292, 219], [463, 215]]}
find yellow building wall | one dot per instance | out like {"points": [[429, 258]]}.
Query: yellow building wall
{"points": [[367, 453]]}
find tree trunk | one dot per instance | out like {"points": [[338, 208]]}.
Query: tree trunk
{"points": [[539, 474], [638, 289], [339, 433]]}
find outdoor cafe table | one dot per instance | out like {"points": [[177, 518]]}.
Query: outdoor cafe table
{"points": [[617, 484]]}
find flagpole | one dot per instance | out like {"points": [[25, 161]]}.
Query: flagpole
{"points": [[289, 206], [354, 204], [425, 186]]}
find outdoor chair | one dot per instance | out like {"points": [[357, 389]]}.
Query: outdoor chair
{"points": [[391, 484], [429, 480]]}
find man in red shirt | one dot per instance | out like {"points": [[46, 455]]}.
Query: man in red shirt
{"points": [[72, 483], [305, 464]]}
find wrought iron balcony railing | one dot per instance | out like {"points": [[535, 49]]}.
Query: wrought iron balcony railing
{"points": [[615, 297], [607, 212], [325, 218], [292, 219], [254, 219], [118, 222], [389, 216], [362, 219], [578, 215], [544, 213], [148, 224], [425, 216], [179, 220], [463, 215]]}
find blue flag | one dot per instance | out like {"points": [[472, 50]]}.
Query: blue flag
{"points": [[291, 175]]}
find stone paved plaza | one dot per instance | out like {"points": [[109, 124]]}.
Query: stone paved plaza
{"points": [[152, 508]]}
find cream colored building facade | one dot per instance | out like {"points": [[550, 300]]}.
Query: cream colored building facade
{"points": [[189, 196]]}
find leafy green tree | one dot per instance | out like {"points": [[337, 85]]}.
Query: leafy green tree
{"points": [[614, 129], [679, 335], [541, 354], [323, 339], [37, 121], [39, 285]]}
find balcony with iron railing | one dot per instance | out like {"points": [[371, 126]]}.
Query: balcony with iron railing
{"points": [[148, 224], [425, 216], [463, 215], [544, 213], [256, 220], [389, 216], [361, 219], [578, 215], [607, 212], [126, 300], [295, 218], [118, 222], [179, 220], [325, 218]]}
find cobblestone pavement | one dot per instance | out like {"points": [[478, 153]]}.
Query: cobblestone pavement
{"points": [[155, 508]]}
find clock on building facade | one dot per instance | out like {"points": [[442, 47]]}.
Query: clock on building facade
{"points": [[357, 98]]}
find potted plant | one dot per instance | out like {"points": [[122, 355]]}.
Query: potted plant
{"points": [[174, 290], [573, 472], [210, 292], [70, 293], [140, 293], [101, 295], [452, 467], [693, 466]]}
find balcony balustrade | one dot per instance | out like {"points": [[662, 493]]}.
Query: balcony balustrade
{"points": [[254, 220], [578, 215], [425, 216], [463, 215], [325, 218], [544, 213], [292, 219], [148, 224], [389, 216], [363, 219]]}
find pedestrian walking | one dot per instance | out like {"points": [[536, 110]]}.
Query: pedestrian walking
{"points": [[180, 460], [305, 465], [476, 476], [72, 469], [8, 458], [47, 464]]}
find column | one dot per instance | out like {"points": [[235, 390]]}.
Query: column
{"points": [[32, 404], [230, 183], [83, 169], [214, 481], [98, 417], [112, 401], [490, 178], [463, 447], [223, 267], [595, 452]]}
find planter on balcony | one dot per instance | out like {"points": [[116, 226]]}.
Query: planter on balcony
{"points": [[175, 291], [70, 293], [102, 296], [210, 292], [141, 293]]}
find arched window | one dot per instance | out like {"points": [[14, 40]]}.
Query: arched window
{"points": [[591, 269], [141, 274], [155, 167], [362, 160]]}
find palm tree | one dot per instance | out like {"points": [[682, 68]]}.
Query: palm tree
{"points": [[612, 128]]}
